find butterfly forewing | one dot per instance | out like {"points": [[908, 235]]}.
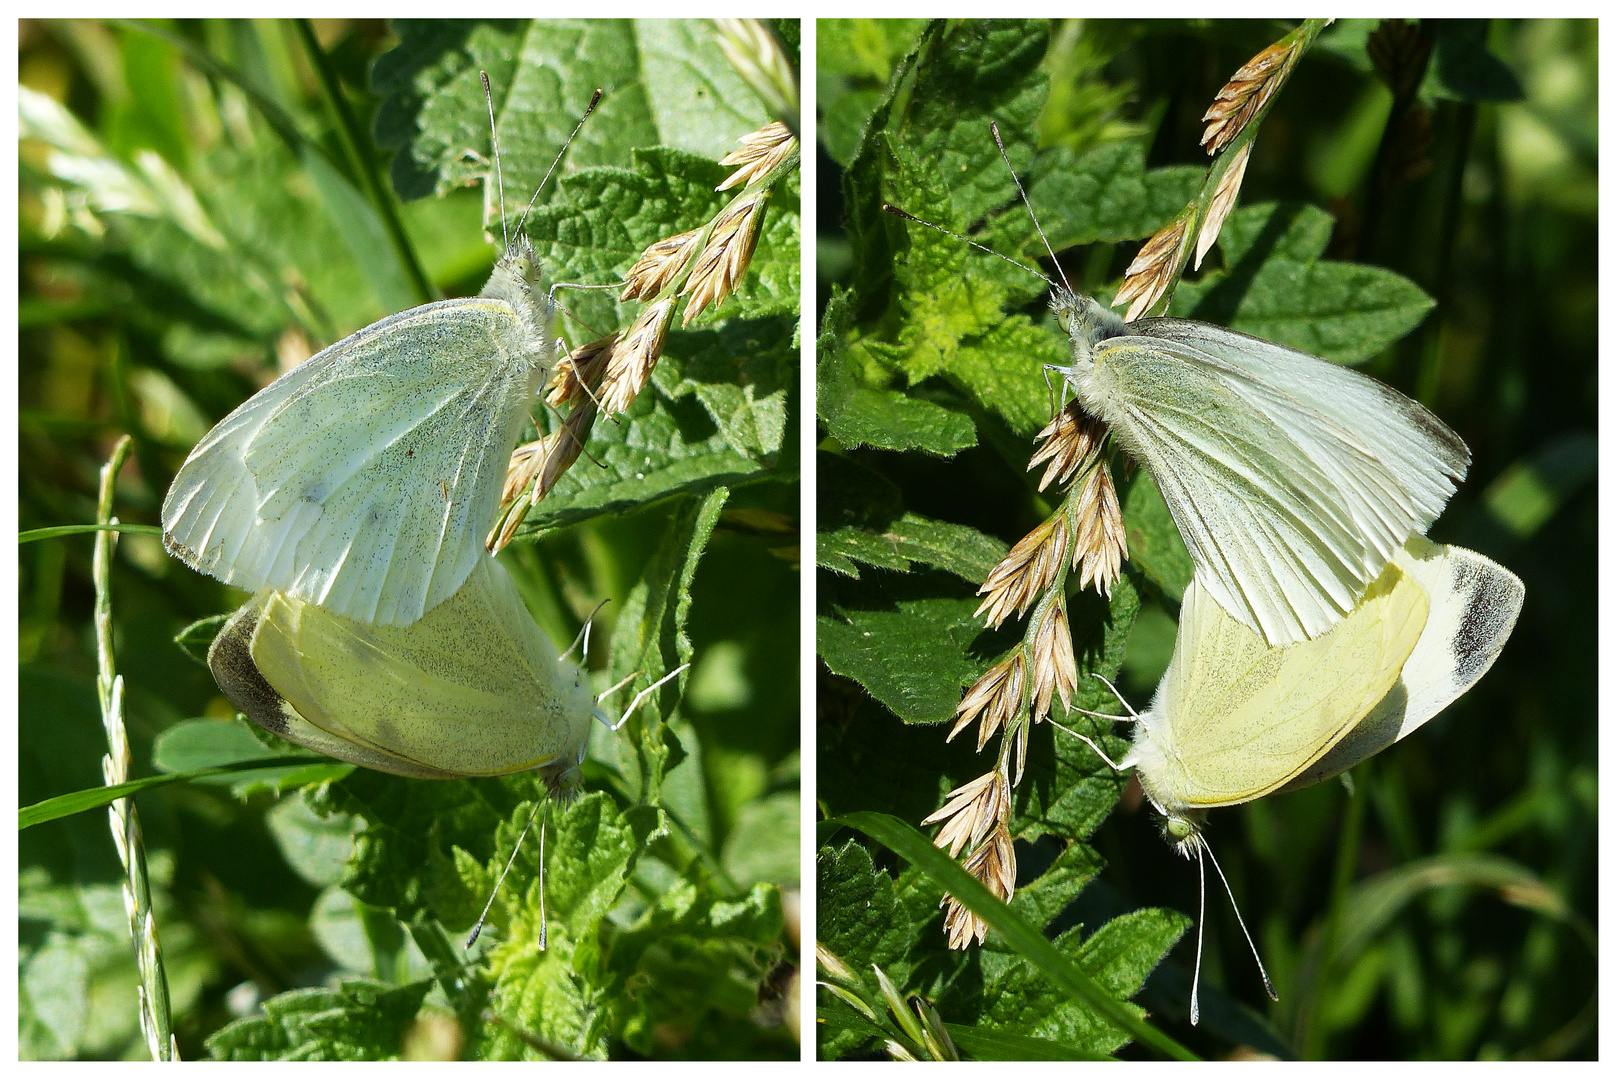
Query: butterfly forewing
{"points": [[366, 479], [1287, 506]]}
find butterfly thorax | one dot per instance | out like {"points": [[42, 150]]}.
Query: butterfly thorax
{"points": [[1164, 778], [562, 775], [518, 280]]}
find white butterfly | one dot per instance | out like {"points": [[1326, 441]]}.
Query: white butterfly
{"points": [[1235, 719], [473, 688], [366, 478], [1292, 480]]}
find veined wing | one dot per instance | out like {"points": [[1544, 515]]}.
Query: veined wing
{"points": [[365, 479], [1474, 604], [1422, 452], [466, 690], [1239, 719], [1287, 512]]}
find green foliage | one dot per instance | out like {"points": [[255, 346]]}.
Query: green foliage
{"points": [[1446, 264], [207, 207]]}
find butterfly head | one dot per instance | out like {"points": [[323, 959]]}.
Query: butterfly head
{"points": [[1085, 322], [1183, 830]]}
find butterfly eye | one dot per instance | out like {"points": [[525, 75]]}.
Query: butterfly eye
{"points": [[1064, 319]]}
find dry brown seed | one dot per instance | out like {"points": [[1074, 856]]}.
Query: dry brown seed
{"points": [[580, 368], [728, 253], [994, 864], [1018, 579], [1054, 669], [1223, 201], [761, 151], [1154, 268], [970, 810], [658, 265], [996, 696], [634, 357], [1247, 92], [1070, 438], [1100, 541]]}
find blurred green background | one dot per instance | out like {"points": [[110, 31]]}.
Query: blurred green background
{"points": [[150, 322], [1486, 198]]}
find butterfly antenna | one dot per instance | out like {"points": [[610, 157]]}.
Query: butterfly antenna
{"points": [[584, 633], [595, 100], [641, 696], [1267, 985], [544, 923], [1201, 920], [494, 138], [1092, 744], [896, 212], [478, 929], [574, 285], [1029, 204], [1121, 700]]}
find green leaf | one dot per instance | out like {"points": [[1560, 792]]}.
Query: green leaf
{"points": [[1462, 68], [989, 1044], [650, 637], [197, 638], [1118, 955], [359, 1020], [30, 535], [553, 992], [667, 83], [762, 846], [864, 47], [906, 645], [1155, 545], [956, 548], [689, 954], [1090, 977], [1108, 194], [859, 415]]}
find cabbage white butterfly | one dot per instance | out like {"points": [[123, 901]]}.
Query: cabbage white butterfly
{"points": [[1292, 480], [472, 688], [366, 478], [1235, 719]]}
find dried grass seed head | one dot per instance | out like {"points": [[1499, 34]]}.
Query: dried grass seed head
{"points": [[761, 152], [1070, 438], [994, 864], [1247, 92], [635, 355], [996, 696], [1100, 541], [659, 264], [1223, 201], [728, 253], [970, 810], [1055, 671], [579, 369], [1023, 574], [1154, 268]]}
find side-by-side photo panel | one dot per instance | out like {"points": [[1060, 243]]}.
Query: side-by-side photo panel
{"points": [[409, 578], [1206, 554]]}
